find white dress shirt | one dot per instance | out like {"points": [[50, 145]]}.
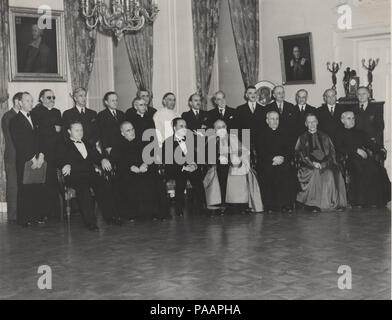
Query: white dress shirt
{"points": [[28, 117], [163, 123], [81, 148], [222, 111], [252, 106], [363, 105], [81, 109], [332, 108], [302, 107], [182, 144]]}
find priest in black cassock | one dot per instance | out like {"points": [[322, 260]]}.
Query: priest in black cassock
{"points": [[369, 183], [273, 166], [142, 194], [48, 120], [321, 182]]}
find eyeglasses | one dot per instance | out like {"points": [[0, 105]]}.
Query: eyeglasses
{"points": [[51, 98]]}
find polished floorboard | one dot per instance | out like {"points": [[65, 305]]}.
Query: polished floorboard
{"points": [[263, 256]]}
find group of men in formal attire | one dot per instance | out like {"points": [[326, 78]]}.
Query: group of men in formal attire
{"points": [[256, 157]]}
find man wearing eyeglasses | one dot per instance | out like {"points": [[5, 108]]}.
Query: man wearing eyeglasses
{"points": [[48, 120]]}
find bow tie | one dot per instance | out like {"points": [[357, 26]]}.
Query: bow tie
{"points": [[28, 114], [181, 139], [76, 141]]}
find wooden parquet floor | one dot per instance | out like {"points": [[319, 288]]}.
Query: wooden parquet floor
{"points": [[264, 256]]}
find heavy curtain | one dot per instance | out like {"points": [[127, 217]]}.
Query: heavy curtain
{"points": [[245, 22], [80, 44], [3, 85], [140, 52], [205, 17]]}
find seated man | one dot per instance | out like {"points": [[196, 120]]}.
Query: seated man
{"points": [[369, 183], [77, 159], [139, 186], [273, 166], [322, 184], [179, 157], [230, 180]]}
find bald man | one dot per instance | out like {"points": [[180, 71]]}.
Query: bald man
{"points": [[369, 182], [329, 114]]}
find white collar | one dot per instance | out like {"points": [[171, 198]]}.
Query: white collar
{"points": [[196, 111], [302, 106], [177, 138], [365, 105], [25, 114]]}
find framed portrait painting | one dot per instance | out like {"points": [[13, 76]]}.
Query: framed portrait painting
{"points": [[296, 56], [37, 46]]}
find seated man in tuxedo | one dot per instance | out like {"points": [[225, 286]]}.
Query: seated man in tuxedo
{"points": [[109, 121], [195, 118], [287, 114], [78, 160], [179, 156], [81, 113], [141, 120], [221, 111], [368, 117], [273, 166], [329, 114], [31, 198], [369, 185], [302, 108]]}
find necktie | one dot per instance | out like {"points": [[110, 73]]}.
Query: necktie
{"points": [[303, 109], [332, 111], [362, 108], [221, 111], [252, 107], [83, 111], [280, 108], [197, 115], [115, 115]]}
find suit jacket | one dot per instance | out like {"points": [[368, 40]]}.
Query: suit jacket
{"points": [[89, 121], [9, 148], [253, 121], [331, 124], [81, 169], [26, 141], [371, 121], [109, 127], [46, 121], [229, 117], [194, 123], [300, 117]]}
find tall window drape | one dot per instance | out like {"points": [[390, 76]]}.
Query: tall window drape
{"points": [[81, 45], [245, 22], [205, 16], [140, 52], [3, 85]]}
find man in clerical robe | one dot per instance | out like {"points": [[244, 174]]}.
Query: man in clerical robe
{"points": [[163, 118], [322, 184], [230, 181], [273, 166], [369, 182]]}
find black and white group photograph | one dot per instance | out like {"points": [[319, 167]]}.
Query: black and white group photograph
{"points": [[204, 152]]}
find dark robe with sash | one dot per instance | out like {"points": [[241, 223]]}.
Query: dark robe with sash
{"points": [[322, 188]]}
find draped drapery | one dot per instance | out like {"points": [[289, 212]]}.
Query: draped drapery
{"points": [[140, 52], [245, 22], [205, 16], [81, 45], [4, 43]]}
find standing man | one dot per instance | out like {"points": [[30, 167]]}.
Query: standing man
{"points": [[24, 134], [141, 119], [195, 118], [81, 113], [10, 158], [48, 121], [286, 111], [369, 117], [221, 111], [109, 121], [147, 97], [329, 114], [302, 108], [164, 117], [273, 166]]}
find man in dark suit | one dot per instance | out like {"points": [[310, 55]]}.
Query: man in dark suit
{"points": [[81, 113], [368, 117], [78, 159], [10, 159], [273, 166], [287, 114], [302, 108], [195, 118], [24, 134], [48, 120], [109, 122], [179, 157], [147, 97], [329, 114], [251, 115], [221, 112], [142, 120]]}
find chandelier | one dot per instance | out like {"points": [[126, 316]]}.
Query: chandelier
{"points": [[119, 17]]}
